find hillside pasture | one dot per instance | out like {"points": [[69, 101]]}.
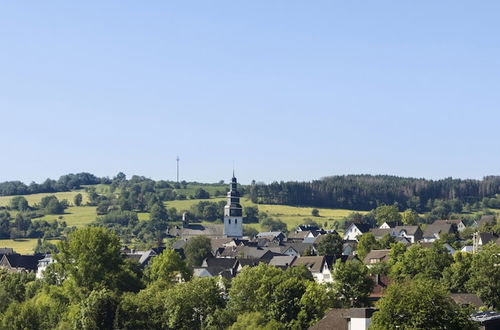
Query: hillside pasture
{"points": [[36, 198]]}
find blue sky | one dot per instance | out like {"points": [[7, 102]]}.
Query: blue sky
{"points": [[287, 90]]}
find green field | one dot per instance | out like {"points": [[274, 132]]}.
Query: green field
{"points": [[36, 198], [22, 246], [291, 215], [77, 216]]}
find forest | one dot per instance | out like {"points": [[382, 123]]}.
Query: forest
{"points": [[366, 192]]}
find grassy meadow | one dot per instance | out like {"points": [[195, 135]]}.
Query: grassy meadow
{"points": [[36, 198]]}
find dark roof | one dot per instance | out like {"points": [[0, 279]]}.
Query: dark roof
{"points": [[220, 262], [314, 264], [363, 227], [26, 262], [333, 319], [439, 228], [410, 230], [487, 237], [338, 319], [307, 227]]}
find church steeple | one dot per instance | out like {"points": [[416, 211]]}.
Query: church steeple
{"points": [[233, 212]]}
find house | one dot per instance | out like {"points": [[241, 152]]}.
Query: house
{"points": [[354, 230], [480, 239], [318, 267], [376, 256], [345, 319], [272, 236], [303, 234], [16, 263], [43, 264], [435, 230], [389, 225], [141, 257], [193, 229], [412, 233], [378, 233], [447, 246], [467, 248], [488, 320], [282, 262], [224, 267], [485, 220], [458, 223], [307, 227], [348, 247]]}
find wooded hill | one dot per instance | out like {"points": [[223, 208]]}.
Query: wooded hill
{"points": [[365, 192]]}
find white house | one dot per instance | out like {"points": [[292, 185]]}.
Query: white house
{"points": [[42, 265], [354, 230], [318, 267]]}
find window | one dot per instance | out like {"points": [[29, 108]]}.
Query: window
{"points": [[229, 221], [235, 220]]}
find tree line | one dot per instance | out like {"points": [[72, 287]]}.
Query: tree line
{"points": [[366, 192]]}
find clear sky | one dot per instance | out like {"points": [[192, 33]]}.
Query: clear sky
{"points": [[287, 90]]}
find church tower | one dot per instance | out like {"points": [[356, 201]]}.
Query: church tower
{"points": [[233, 212]]}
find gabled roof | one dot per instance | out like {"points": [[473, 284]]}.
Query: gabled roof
{"points": [[270, 234], [376, 254], [362, 227], [487, 237], [299, 235], [410, 230], [456, 222], [380, 232], [219, 242], [300, 247], [219, 262], [26, 262], [486, 219], [314, 264], [282, 261], [307, 227], [442, 228], [391, 224]]}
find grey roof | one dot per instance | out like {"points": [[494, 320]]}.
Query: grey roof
{"points": [[410, 230], [314, 264], [378, 232], [213, 231], [376, 254], [179, 244], [440, 228], [486, 219], [282, 261], [270, 234], [487, 237]]}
